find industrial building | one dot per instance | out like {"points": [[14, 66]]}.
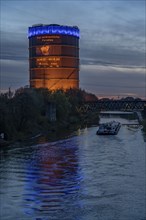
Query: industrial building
{"points": [[53, 56]]}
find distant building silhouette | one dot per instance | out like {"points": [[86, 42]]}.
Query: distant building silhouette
{"points": [[54, 56]]}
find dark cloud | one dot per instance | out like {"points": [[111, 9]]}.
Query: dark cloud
{"points": [[14, 46], [14, 74], [105, 80], [107, 55]]}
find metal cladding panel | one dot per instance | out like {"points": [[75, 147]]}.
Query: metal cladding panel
{"points": [[54, 57], [53, 50], [56, 73], [55, 61], [53, 40], [54, 84]]}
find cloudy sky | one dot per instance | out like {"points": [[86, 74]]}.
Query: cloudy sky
{"points": [[112, 42]]}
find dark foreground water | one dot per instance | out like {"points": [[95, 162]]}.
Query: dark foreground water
{"points": [[84, 177]]}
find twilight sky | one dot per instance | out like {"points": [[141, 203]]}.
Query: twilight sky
{"points": [[112, 42]]}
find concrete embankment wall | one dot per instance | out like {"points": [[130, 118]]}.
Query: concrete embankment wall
{"points": [[139, 116]]}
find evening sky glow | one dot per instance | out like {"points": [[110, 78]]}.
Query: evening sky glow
{"points": [[112, 42]]}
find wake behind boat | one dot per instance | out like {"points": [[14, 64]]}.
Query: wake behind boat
{"points": [[109, 128]]}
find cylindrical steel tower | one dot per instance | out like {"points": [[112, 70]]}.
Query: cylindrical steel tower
{"points": [[54, 56]]}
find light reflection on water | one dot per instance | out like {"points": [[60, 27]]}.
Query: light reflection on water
{"points": [[80, 178]]}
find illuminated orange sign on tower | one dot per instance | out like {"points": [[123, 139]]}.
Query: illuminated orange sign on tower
{"points": [[54, 57]]}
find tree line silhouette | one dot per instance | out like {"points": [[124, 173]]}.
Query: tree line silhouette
{"points": [[24, 113]]}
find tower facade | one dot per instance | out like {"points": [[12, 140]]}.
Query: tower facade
{"points": [[54, 56]]}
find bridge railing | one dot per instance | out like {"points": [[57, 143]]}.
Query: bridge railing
{"points": [[112, 105]]}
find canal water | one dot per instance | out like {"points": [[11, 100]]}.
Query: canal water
{"points": [[81, 177]]}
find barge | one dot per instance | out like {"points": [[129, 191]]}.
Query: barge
{"points": [[109, 128]]}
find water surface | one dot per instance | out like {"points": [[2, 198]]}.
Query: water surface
{"points": [[83, 177]]}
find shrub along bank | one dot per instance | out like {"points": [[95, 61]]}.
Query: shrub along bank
{"points": [[144, 120], [24, 113]]}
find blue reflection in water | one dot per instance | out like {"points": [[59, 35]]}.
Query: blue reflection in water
{"points": [[52, 178], [84, 177]]}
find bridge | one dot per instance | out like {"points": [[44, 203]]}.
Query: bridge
{"points": [[112, 105]]}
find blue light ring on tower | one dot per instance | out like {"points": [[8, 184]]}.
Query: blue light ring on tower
{"points": [[50, 29]]}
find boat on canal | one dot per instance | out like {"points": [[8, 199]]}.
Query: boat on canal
{"points": [[109, 128]]}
